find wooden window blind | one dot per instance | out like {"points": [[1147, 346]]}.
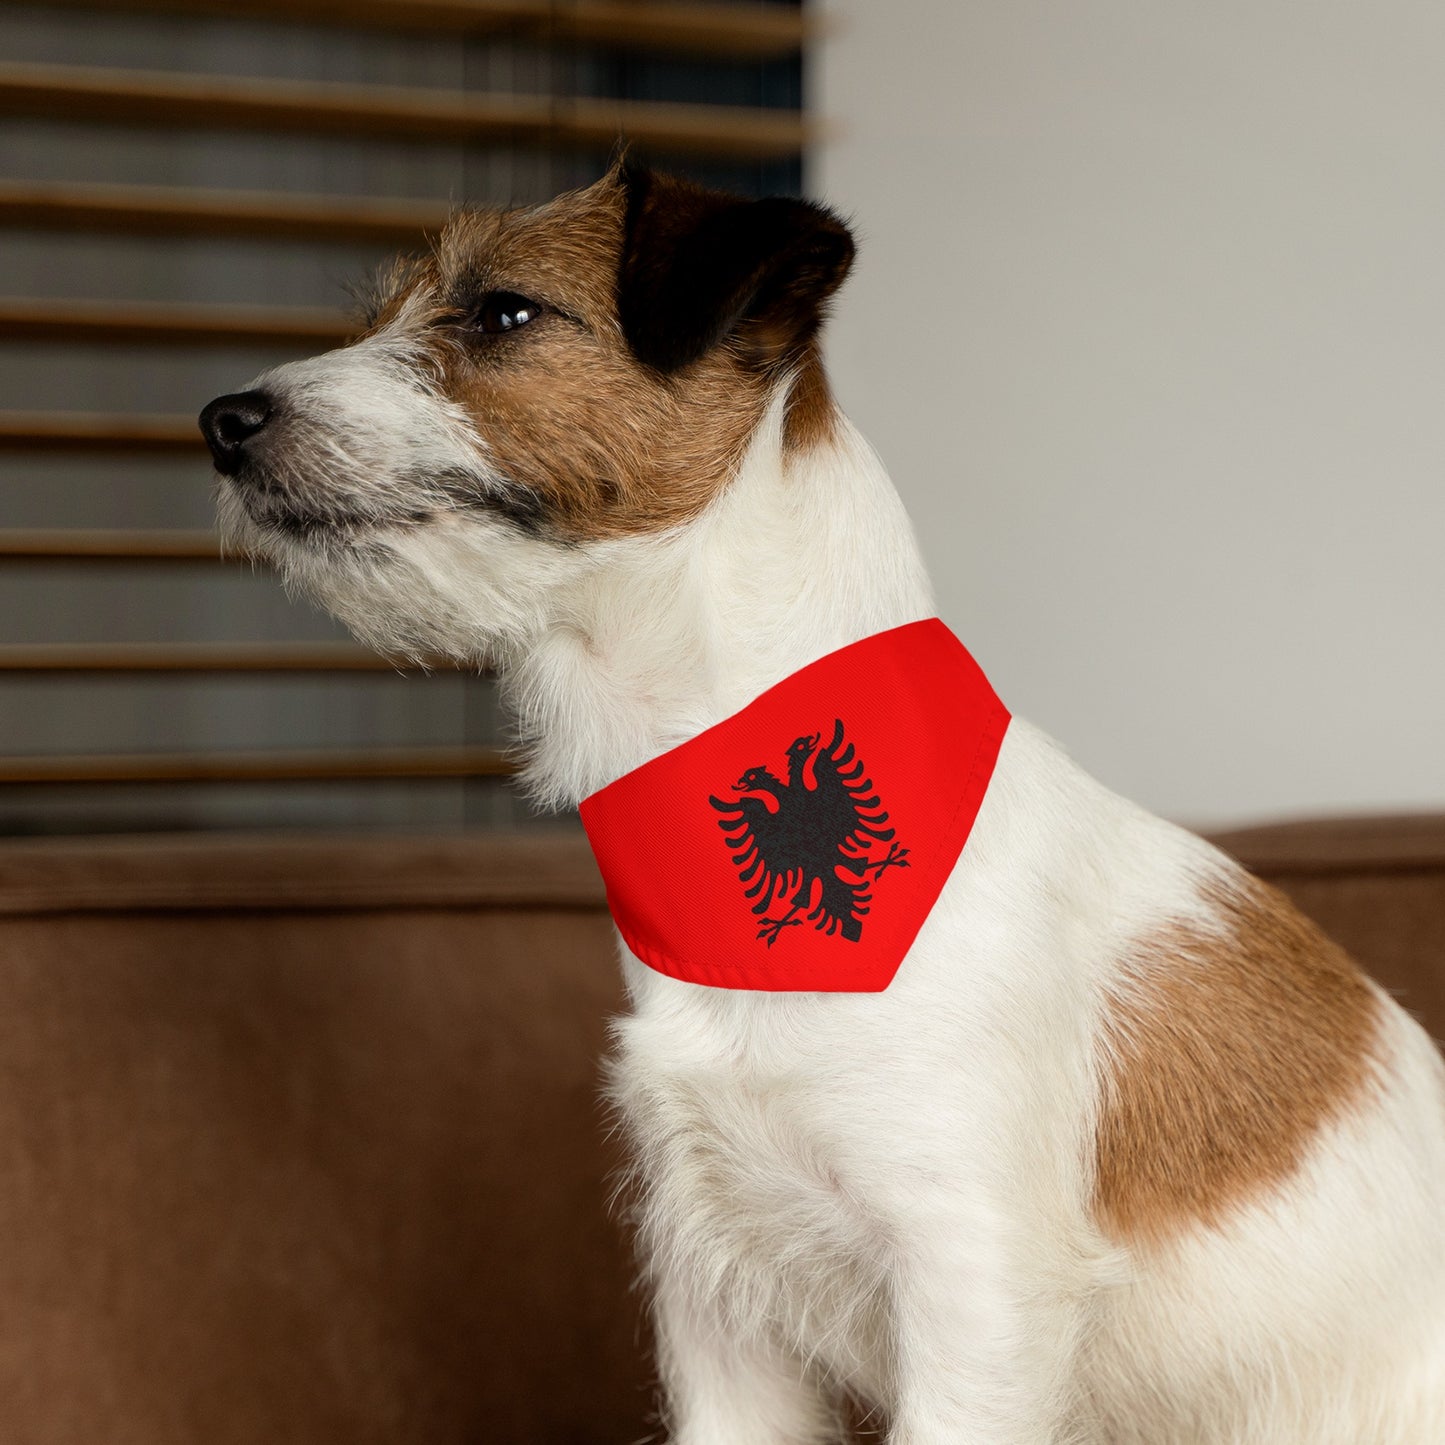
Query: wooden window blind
{"points": [[186, 187]]}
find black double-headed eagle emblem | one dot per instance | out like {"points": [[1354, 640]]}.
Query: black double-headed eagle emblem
{"points": [[810, 840]]}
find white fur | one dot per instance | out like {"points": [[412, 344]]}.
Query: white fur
{"points": [[889, 1194]]}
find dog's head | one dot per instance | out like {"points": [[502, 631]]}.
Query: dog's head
{"points": [[545, 383]]}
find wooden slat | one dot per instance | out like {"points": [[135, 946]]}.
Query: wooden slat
{"points": [[83, 431], [170, 324], [757, 32], [308, 869], [258, 767], [72, 544], [174, 211], [213, 102], [190, 657], [716, 29]]}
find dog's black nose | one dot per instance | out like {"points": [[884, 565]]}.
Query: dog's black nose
{"points": [[229, 422]]}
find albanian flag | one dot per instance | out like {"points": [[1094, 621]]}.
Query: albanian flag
{"points": [[800, 843]]}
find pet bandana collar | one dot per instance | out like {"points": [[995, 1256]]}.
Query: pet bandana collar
{"points": [[800, 843]]}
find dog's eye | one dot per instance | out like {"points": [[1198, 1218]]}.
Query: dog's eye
{"points": [[504, 311]]}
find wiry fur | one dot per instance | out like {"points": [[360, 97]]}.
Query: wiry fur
{"points": [[894, 1196]]}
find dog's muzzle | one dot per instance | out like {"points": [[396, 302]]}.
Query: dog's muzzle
{"points": [[230, 422]]}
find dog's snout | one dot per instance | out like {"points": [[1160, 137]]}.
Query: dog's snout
{"points": [[229, 422]]}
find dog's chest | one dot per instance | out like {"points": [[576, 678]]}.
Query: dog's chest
{"points": [[744, 1191]]}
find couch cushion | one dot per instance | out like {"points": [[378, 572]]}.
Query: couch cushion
{"points": [[300, 1141]]}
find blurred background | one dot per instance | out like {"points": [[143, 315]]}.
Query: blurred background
{"points": [[1147, 323], [187, 191]]}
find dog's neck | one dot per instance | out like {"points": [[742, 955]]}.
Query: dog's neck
{"points": [[802, 553]]}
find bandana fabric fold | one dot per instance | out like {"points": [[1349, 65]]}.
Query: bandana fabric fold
{"points": [[800, 843]]}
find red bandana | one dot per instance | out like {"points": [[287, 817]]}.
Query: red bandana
{"points": [[800, 843]]}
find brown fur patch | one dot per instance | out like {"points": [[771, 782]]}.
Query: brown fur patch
{"points": [[812, 414], [605, 445], [1226, 1055]]}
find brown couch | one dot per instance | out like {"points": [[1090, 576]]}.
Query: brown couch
{"points": [[299, 1139]]}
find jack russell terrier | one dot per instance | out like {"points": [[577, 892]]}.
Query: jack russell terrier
{"points": [[956, 1085]]}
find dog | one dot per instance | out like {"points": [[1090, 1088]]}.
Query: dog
{"points": [[1127, 1152]]}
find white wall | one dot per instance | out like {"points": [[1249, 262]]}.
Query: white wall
{"points": [[1149, 324]]}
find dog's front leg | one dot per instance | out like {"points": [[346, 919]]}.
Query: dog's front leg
{"points": [[722, 1386], [984, 1345]]}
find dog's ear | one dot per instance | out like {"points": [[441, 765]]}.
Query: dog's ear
{"points": [[698, 266]]}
